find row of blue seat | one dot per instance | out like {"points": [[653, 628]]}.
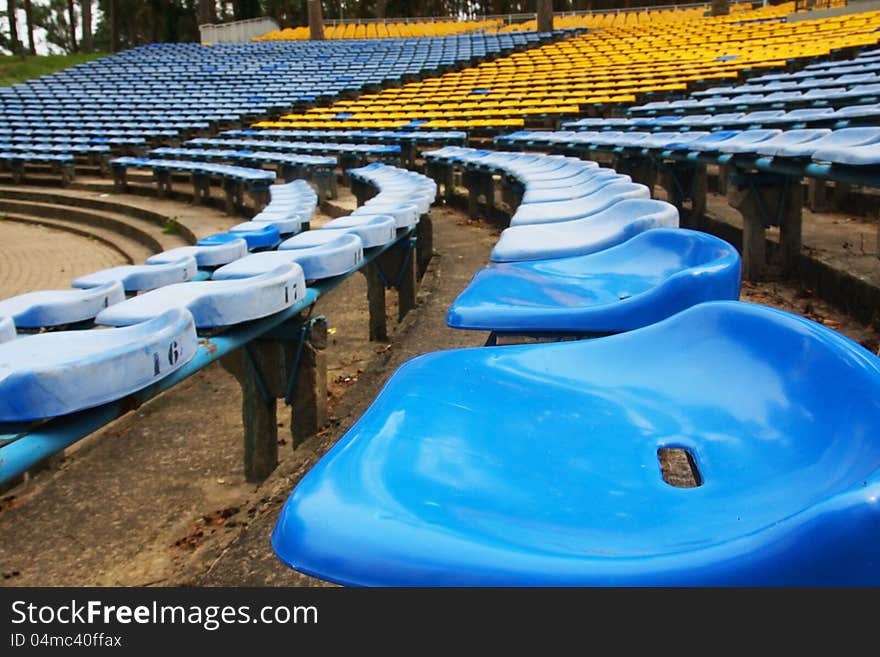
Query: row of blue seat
{"points": [[224, 279], [165, 91], [17, 162], [71, 132], [65, 148], [258, 178], [547, 274], [74, 140], [395, 137], [249, 78], [815, 97], [862, 63], [230, 155], [65, 124], [336, 149], [817, 86], [849, 146], [153, 105], [841, 117], [868, 76], [554, 473]]}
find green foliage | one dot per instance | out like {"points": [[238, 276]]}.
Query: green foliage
{"points": [[54, 19], [171, 226], [16, 69]]}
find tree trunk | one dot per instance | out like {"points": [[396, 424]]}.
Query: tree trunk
{"points": [[207, 12], [113, 19], [29, 15], [15, 44], [86, 9], [287, 9], [545, 15], [380, 8], [316, 20], [71, 15], [720, 7]]}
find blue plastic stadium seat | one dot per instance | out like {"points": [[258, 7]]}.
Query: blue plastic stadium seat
{"points": [[758, 118], [374, 230], [608, 138], [857, 111], [783, 97], [645, 279], [566, 192], [805, 115], [296, 195], [553, 211], [459, 474], [139, 278], [570, 182], [838, 139], [7, 329], [320, 253], [215, 303], [602, 230], [742, 100], [867, 155], [286, 221], [405, 214], [48, 308], [711, 140], [690, 120], [422, 198], [747, 141], [661, 140], [206, 256], [258, 235], [789, 138], [550, 170], [50, 374]]}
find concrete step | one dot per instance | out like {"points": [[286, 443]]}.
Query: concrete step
{"points": [[135, 238], [191, 221], [131, 251], [146, 218]]}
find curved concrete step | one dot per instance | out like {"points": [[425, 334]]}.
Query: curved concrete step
{"points": [[132, 252], [191, 222], [149, 237], [74, 199]]}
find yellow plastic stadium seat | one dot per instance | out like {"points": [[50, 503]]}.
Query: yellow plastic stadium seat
{"points": [[623, 55]]}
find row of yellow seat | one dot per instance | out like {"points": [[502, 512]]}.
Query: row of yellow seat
{"points": [[625, 17], [610, 19], [384, 30], [606, 65]]}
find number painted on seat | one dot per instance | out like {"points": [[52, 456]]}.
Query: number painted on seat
{"points": [[173, 352]]}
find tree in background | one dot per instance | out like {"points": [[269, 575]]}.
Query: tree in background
{"points": [[244, 9], [130, 23], [71, 24], [316, 20], [29, 22], [124, 24], [54, 18], [12, 42], [287, 13], [544, 12], [86, 43], [207, 12], [720, 7]]}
